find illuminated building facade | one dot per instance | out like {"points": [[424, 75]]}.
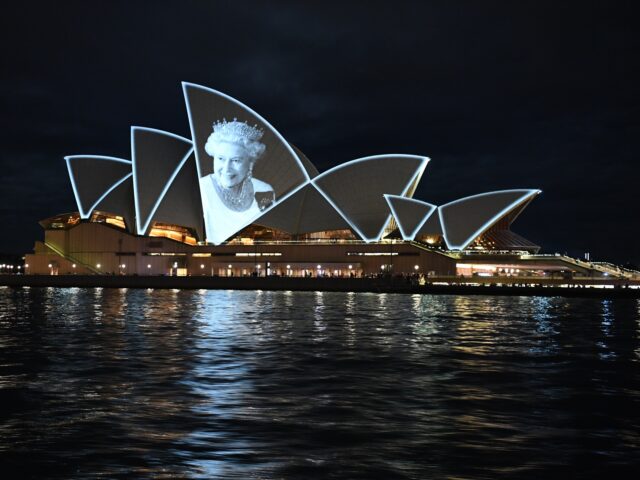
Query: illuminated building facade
{"points": [[237, 199]]}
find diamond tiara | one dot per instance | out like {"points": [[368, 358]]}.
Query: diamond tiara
{"points": [[236, 129]]}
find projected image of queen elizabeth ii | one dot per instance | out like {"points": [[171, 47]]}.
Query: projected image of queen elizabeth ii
{"points": [[231, 197]]}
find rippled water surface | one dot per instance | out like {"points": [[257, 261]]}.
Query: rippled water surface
{"points": [[278, 385]]}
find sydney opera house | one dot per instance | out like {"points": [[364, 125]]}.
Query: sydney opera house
{"points": [[238, 200]]}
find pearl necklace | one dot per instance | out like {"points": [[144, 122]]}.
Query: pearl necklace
{"points": [[239, 201]]}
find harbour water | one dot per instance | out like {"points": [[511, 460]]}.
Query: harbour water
{"points": [[300, 385]]}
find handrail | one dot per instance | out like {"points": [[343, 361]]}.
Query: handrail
{"points": [[71, 259], [429, 249], [327, 241]]}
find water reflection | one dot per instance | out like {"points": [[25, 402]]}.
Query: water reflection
{"points": [[546, 332], [319, 319], [230, 384], [606, 325]]}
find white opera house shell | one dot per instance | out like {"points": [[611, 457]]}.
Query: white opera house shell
{"points": [[237, 181]]}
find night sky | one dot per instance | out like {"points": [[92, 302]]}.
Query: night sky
{"points": [[510, 94]]}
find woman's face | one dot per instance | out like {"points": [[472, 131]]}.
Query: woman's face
{"points": [[231, 164]]}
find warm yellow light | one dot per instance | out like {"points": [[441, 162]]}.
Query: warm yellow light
{"points": [[178, 236], [98, 265], [117, 221]]}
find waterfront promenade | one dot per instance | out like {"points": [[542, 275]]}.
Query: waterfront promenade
{"points": [[575, 287]]}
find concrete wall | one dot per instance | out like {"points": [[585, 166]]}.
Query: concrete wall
{"points": [[98, 248]]}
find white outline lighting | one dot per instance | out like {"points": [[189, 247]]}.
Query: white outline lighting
{"points": [[242, 106], [140, 230], [86, 214], [307, 179], [528, 194], [421, 223], [414, 178], [267, 210]]}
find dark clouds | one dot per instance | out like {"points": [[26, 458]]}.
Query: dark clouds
{"points": [[498, 94]]}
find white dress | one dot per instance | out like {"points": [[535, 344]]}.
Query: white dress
{"points": [[220, 222]]}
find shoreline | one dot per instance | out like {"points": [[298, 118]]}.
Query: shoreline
{"points": [[456, 286]]}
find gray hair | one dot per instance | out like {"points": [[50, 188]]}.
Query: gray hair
{"points": [[239, 133]]}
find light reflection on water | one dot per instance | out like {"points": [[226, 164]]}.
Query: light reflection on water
{"points": [[230, 384]]}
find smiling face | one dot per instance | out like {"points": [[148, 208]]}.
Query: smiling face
{"points": [[231, 164]]}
